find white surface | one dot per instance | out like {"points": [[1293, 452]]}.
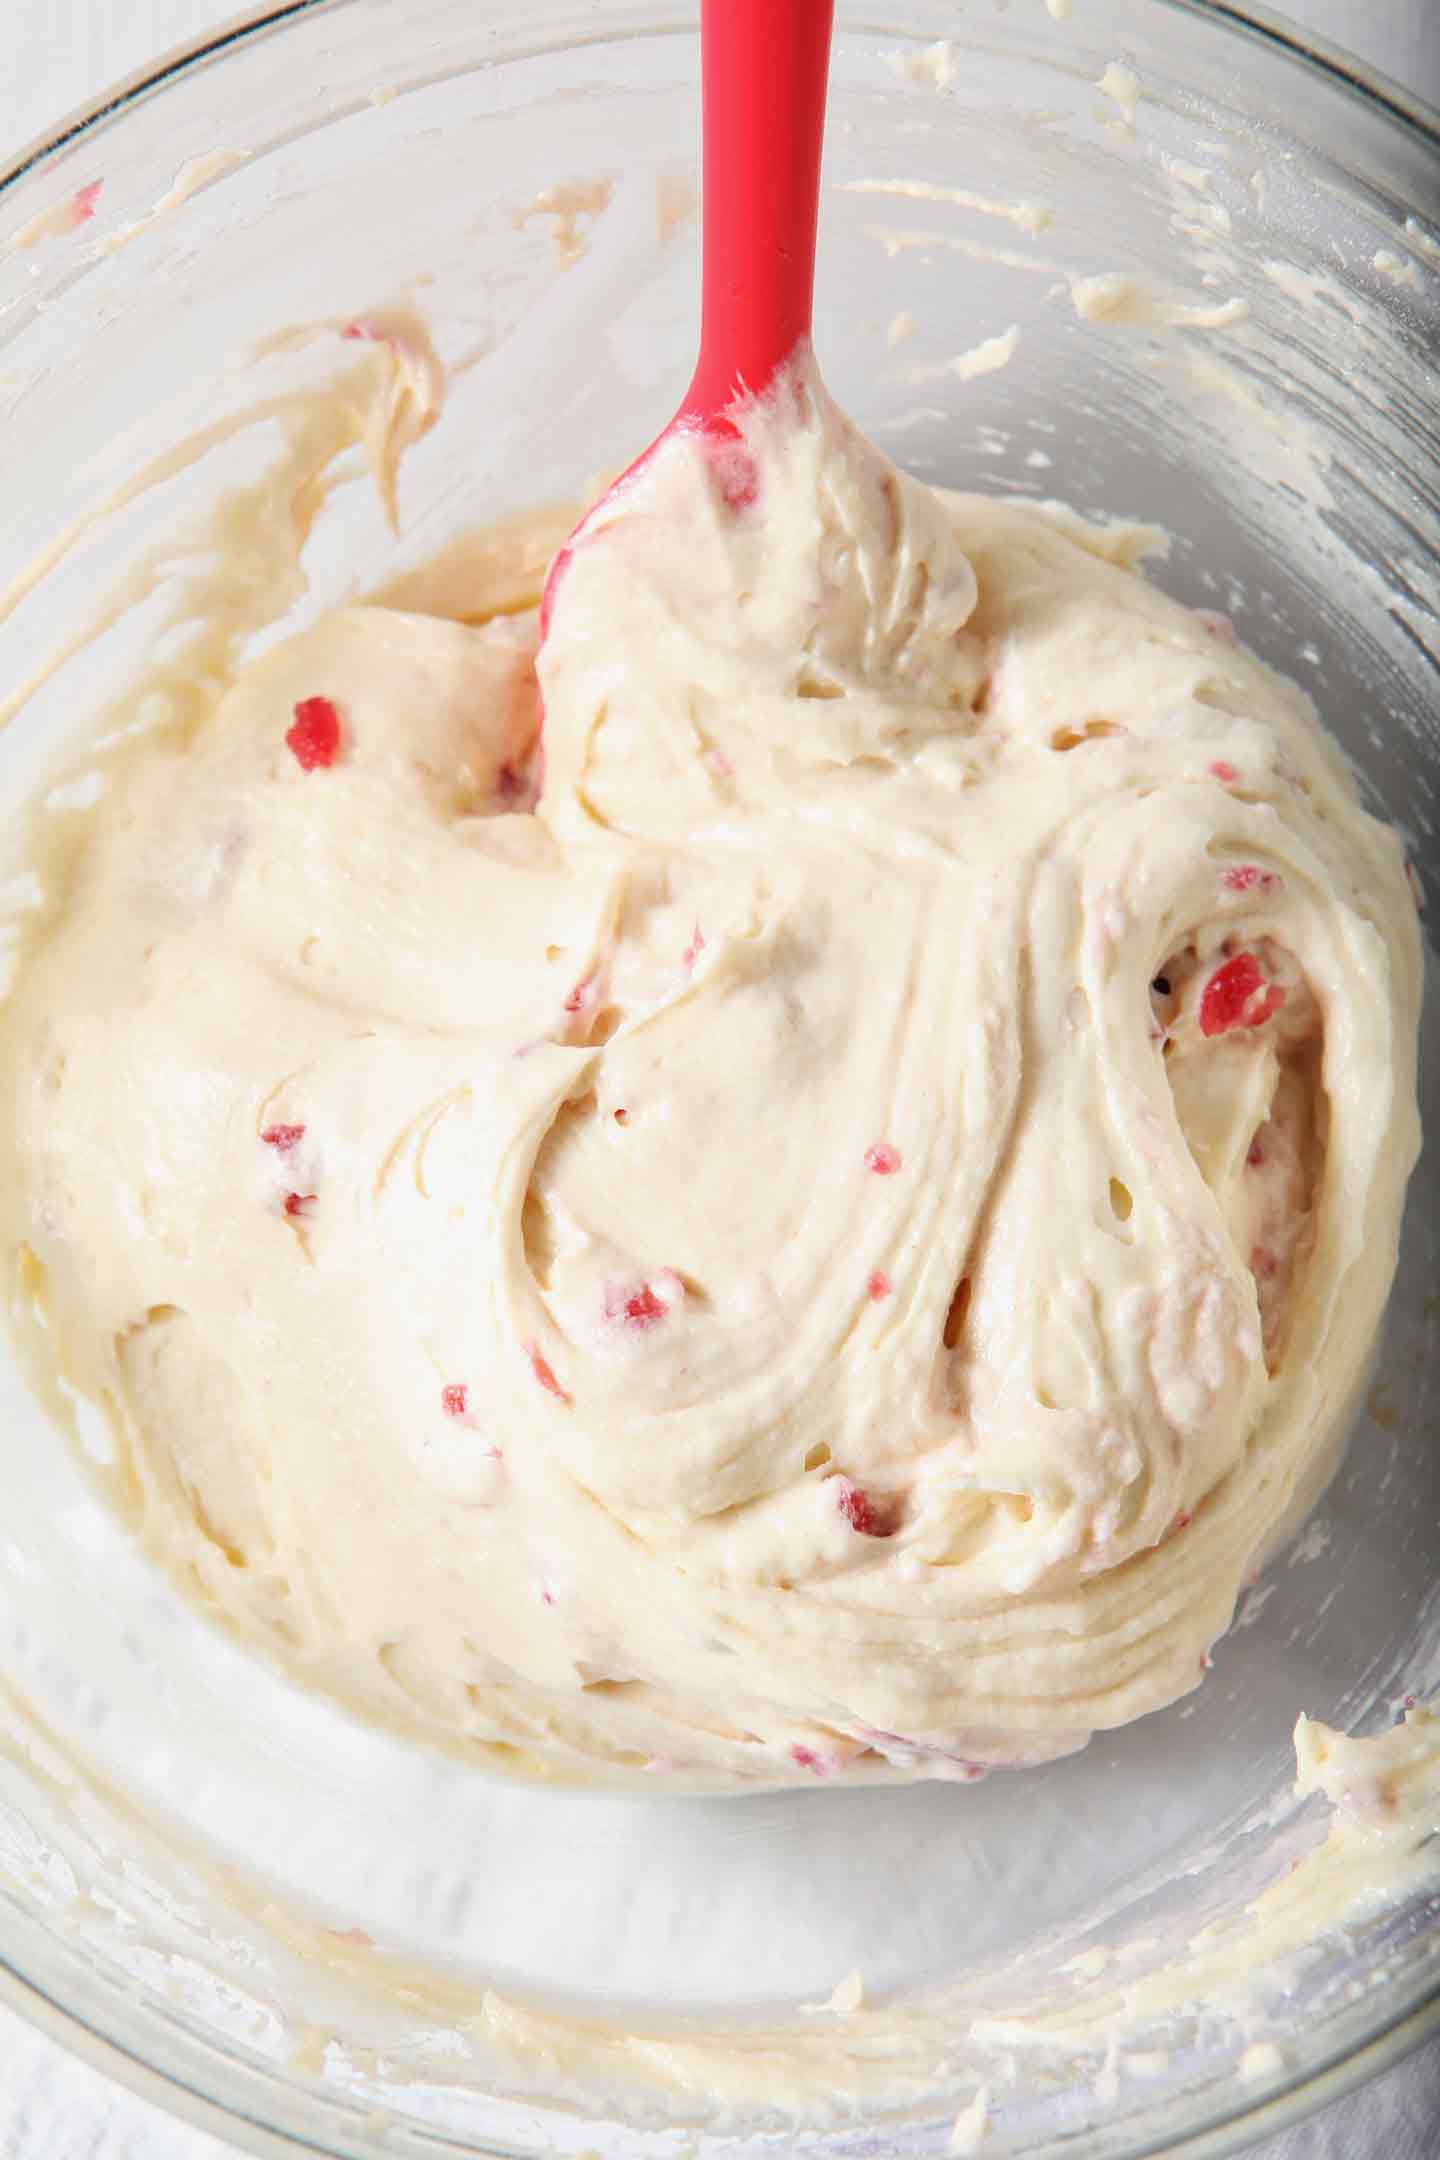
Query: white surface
{"points": [[57, 54]]}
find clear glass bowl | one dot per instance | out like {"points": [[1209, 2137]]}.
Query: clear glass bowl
{"points": [[178, 1828]]}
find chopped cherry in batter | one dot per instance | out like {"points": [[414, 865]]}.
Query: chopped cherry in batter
{"points": [[1237, 995], [1249, 877], [544, 1373], [314, 735], [861, 1512]]}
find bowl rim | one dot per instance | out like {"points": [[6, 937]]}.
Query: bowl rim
{"points": [[1324, 54], [1236, 2132], [1246, 2122]]}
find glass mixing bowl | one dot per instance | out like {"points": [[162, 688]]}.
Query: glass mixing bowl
{"points": [[315, 1936]]}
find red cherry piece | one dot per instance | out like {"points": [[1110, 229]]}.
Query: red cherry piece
{"points": [[860, 1510], [298, 1203], [634, 1305], [582, 997], [693, 950], [314, 736], [1255, 1154], [735, 472], [1237, 995], [283, 1137], [1223, 770], [805, 1758], [544, 1373], [883, 1159], [455, 1399], [1249, 877], [1263, 1264], [82, 203], [878, 1286]]}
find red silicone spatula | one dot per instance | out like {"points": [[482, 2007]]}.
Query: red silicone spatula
{"points": [[764, 65]]}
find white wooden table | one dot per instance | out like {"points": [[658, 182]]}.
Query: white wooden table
{"points": [[53, 55]]}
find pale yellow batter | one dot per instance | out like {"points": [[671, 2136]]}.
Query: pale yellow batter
{"points": [[813, 1223]]}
